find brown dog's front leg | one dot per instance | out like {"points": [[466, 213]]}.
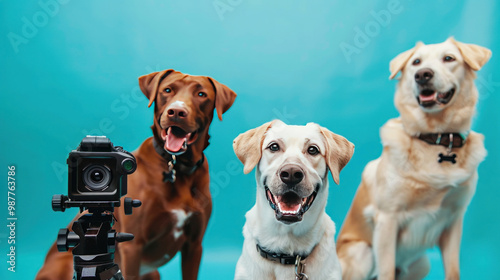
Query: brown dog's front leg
{"points": [[130, 260], [155, 275], [57, 266], [449, 244], [384, 243], [191, 258]]}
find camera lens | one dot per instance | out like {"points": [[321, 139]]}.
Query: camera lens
{"points": [[97, 177]]}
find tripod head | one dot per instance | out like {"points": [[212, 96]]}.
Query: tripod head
{"points": [[97, 180]]}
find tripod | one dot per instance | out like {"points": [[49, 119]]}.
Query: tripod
{"points": [[93, 238]]}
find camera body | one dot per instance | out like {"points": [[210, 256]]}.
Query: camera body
{"points": [[97, 171], [97, 179]]}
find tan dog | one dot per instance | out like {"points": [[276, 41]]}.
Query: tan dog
{"points": [[415, 195], [174, 215], [289, 219]]}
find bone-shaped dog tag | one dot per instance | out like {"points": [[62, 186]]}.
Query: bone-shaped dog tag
{"points": [[451, 158], [169, 176]]}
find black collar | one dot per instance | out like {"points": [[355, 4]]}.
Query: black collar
{"points": [[179, 166], [278, 257], [447, 139]]}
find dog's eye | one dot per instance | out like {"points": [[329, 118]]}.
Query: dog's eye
{"points": [[448, 58], [416, 62], [202, 94], [168, 90], [313, 150], [274, 147]]}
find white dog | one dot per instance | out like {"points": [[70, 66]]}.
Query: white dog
{"points": [[415, 195], [288, 231]]}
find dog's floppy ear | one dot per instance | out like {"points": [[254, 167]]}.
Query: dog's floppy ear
{"points": [[338, 152], [248, 146], [398, 63], [224, 97], [475, 56], [149, 83]]}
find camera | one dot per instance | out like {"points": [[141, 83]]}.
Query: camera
{"points": [[97, 171], [97, 179]]}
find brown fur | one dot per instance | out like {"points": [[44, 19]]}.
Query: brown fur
{"points": [[159, 225]]}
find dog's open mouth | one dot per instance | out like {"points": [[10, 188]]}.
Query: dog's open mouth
{"points": [[429, 97], [290, 207], [177, 139]]}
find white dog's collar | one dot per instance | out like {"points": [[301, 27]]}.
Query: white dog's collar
{"points": [[279, 257]]}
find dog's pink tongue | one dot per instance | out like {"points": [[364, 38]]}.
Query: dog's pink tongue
{"points": [[174, 143], [288, 206], [426, 98]]}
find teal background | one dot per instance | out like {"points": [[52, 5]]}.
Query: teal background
{"points": [[76, 74]]}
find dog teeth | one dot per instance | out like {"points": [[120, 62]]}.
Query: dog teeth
{"points": [[289, 211]]}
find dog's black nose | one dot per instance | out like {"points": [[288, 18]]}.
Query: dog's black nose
{"points": [[291, 174], [423, 76]]}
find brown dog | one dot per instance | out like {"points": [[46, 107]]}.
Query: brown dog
{"points": [[174, 215]]}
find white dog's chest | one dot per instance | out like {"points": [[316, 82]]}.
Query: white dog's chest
{"points": [[322, 262]]}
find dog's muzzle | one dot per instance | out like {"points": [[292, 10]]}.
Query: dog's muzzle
{"points": [[177, 139], [428, 96], [289, 208]]}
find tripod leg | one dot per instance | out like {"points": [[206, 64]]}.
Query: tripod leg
{"points": [[191, 257], [155, 275]]}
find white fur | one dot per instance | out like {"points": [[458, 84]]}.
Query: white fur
{"points": [[181, 217], [407, 201], [314, 234], [178, 104]]}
